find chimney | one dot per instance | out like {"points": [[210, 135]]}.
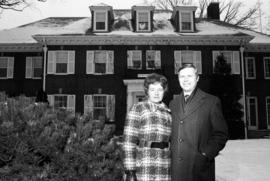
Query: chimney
{"points": [[213, 11]]}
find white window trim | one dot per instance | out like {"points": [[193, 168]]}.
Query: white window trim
{"points": [[254, 67], [248, 112], [264, 69], [52, 62], [90, 62], [137, 20], [267, 114], [106, 20], [30, 58], [191, 21], [70, 105], [10, 68]]}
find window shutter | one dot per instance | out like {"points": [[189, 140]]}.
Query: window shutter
{"points": [[177, 61], [90, 62], [215, 54], [157, 59], [28, 68], [88, 104], [51, 100], [51, 62], [110, 62], [110, 107], [71, 62], [10, 67], [236, 63], [129, 58], [197, 59], [71, 103]]}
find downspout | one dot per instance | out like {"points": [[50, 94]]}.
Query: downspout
{"points": [[45, 49], [243, 90]]}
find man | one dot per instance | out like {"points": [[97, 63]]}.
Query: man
{"points": [[199, 130]]}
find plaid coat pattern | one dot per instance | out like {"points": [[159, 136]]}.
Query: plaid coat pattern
{"points": [[147, 121]]}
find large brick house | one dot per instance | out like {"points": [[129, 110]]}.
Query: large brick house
{"points": [[97, 64]]}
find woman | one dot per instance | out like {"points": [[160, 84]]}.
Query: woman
{"points": [[147, 133]]}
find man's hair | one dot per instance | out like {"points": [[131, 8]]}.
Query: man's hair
{"points": [[189, 65], [153, 78]]}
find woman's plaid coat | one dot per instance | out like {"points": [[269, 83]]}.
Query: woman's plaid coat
{"points": [[147, 121]]}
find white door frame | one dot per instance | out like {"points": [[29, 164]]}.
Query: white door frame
{"points": [[134, 88]]}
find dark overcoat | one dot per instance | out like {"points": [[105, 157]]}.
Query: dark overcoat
{"points": [[197, 127]]}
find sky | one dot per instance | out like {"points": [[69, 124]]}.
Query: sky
{"points": [[80, 8]]}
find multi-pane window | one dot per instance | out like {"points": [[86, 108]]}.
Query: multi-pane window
{"points": [[252, 112], [266, 61], [182, 57], [153, 59], [6, 67], [232, 58], [33, 67], [143, 20], [100, 106], [134, 58], [100, 62], [62, 101], [250, 68], [268, 111], [186, 21], [100, 21], [61, 62]]}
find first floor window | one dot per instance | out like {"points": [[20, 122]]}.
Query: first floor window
{"points": [[252, 112], [266, 61], [268, 111], [6, 67], [63, 101], [182, 57], [100, 106], [33, 67]]}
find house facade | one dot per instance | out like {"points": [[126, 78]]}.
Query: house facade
{"points": [[97, 64]]}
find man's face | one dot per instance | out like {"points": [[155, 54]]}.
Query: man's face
{"points": [[188, 79]]}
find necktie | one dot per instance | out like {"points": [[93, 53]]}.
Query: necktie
{"points": [[186, 97]]}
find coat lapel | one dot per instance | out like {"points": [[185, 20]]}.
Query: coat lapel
{"points": [[193, 105]]}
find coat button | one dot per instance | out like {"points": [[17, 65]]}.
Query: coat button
{"points": [[180, 159], [181, 122], [181, 140]]}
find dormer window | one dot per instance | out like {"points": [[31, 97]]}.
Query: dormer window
{"points": [[102, 16], [186, 21], [183, 18], [143, 21], [100, 21]]}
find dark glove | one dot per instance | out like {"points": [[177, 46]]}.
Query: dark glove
{"points": [[131, 175]]}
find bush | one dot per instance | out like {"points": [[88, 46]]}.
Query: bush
{"points": [[39, 143]]}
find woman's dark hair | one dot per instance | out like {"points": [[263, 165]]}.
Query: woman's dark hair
{"points": [[153, 78]]}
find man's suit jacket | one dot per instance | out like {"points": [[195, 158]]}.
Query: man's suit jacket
{"points": [[197, 127]]}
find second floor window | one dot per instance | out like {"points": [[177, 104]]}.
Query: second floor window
{"points": [[268, 111], [134, 59], [231, 57], [250, 68], [100, 21], [266, 62], [187, 56], [6, 67], [143, 21], [100, 62], [100, 106], [186, 21], [61, 62], [33, 67], [153, 59]]}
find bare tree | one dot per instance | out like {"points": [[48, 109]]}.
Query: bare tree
{"points": [[17, 5], [230, 11]]}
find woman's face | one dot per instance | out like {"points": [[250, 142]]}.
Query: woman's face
{"points": [[155, 92]]}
